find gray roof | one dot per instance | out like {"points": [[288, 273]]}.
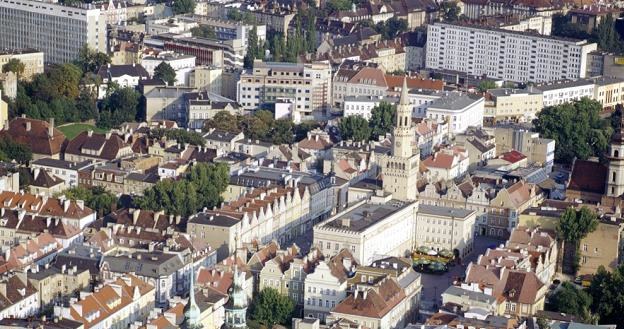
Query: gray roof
{"points": [[363, 216], [455, 101], [498, 92], [444, 211], [472, 295], [386, 99], [563, 84], [220, 135], [115, 71], [168, 92], [264, 177], [151, 264], [213, 219], [61, 164]]}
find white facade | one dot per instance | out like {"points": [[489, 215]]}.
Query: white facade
{"points": [[506, 55], [363, 105], [183, 65], [421, 100], [323, 291], [445, 228], [555, 93], [389, 231], [460, 110], [307, 86], [58, 31]]}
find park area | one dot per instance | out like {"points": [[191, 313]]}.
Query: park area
{"points": [[427, 260], [74, 129]]}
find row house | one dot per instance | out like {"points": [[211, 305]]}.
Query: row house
{"points": [[352, 161], [498, 205], [44, 139], [17, 226], [53, 283], [20, 297], [263, 215], [117, 304], [93, 146], [287, 273], [327, 285], [37, 251]]}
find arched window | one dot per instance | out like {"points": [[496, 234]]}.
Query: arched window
{"points": [[616, 153], [613, 177]]}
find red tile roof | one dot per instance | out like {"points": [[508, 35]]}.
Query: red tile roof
{"points": [[37, 137], [588, 176]]}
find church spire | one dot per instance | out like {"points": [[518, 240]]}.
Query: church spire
{"points": [[192, 313], [404, 100]]}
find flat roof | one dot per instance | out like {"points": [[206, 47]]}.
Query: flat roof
{"points": [[365, 215], [455, 101], [444, 211]]}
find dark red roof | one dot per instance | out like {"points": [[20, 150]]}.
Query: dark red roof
{"points": [[36, 135], [588, 176], [513, 156]]}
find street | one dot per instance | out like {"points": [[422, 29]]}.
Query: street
{"points": [[434, 285]]}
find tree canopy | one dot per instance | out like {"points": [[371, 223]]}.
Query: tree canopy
{"points": [[14, 65], [96, 198], [607, 293], [571, 300], [180, 135], [575, 225], [577, 129], [122, 105], [383, 119], [354, 128], [201, 187], [183, 6], [391, 28], [271, 308], [11, 150], [484, 85], [165, 72], [449, 11], [90, 60], [204, 31]]}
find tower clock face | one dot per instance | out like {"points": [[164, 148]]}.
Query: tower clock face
{"points": [[398, 144]]}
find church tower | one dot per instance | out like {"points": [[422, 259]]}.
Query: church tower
{"points": [[615, 177], [236, 306], [400, 170], [193, 312]]}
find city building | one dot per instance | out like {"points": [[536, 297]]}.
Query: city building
{"points": [[446, 164], [203, 105], [609, 91], [183, 65], [90, 146], [207, 78], [370, 229], [363, 105], [65, 170], [20, 296], [524, 8], [53, 283], [508, 104], [529, 57], [558, 92], [540, 151], [307, 86], [459, 110], [400, 169], [45, 140], [125, 76], [34, 24], [440, 228], [31, 58]]}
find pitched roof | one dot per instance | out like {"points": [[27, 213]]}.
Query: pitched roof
{"points": [[116, 71], [105, 146], [395, 82], [36, 134], [374, 302], [44, 179], [581, 181]]}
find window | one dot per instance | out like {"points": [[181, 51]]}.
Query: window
{"points": [[585, 247]]}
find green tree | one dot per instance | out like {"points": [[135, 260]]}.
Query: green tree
{"points": [[449, 10], [563, 27], [383, 119], [271, 308], [354, 128], [302, 129], [96, 198], [391, 28], [253, 50], [165, 72], [119, 107], [14, 65], [223, 120], [183, 6], [282, 132], [234, 14], [607, 292], [577, 129], [573, 227], [204, 31], [311, 41], [484, 85], [180, 135], [571, 300], [606, 36], [13, 151], [336, 5], [90, 60], [542, 323]]}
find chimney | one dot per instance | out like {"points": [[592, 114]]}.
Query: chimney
{"points": [[135, 216], [28, 126], [51, 127]]}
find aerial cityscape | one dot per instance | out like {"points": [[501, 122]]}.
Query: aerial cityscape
{"points": [[312, 164]]}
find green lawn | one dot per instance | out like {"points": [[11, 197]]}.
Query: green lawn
{"points": [[72, 130]]}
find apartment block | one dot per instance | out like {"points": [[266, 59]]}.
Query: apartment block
{"points": [[538, 150], [507, 55], [446, 228], [505, 104], [56, 30], [307, 86], [31, 58], [563, 91]]}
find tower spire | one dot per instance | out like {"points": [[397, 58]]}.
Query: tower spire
{"points": [[404, 98], [192, 314]]}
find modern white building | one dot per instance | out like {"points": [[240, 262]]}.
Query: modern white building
{"points": [[308, 86], [459, 110], [507, 55], [559, 92], [56, 30], [363, 105], [446, 228], [370, 229], [183, 65]]}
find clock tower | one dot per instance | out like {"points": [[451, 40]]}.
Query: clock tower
{"points": [[400, 170]]}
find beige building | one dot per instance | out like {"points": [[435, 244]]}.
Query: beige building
{"points": [[389, 59], [446, 228], [32, 60], [370, 229], [507, 104], [4, 111], [609, 91], [537, 150], [53, 283], [207, 78]]}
